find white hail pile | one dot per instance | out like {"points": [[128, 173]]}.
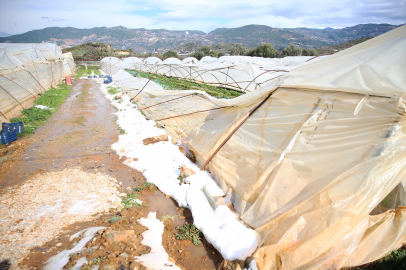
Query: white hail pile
{"points": [[37, 211], [160, 163]]}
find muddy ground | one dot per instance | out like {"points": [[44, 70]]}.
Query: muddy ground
{"points": [[79, 135]]}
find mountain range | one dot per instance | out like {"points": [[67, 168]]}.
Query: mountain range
{"points": [[142, 40]]}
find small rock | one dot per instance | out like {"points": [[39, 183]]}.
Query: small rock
{"points": [[123, 255], [155, 139], [182, 150], [117, 204], [109, 267], [59, 244], [135, 159], [180, 251], [123, 195], [185, 171], [174, 141]]}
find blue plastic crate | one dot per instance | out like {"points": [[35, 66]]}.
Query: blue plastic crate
{"points": [[8, 136], [95, 76], [89, 77], [18, 125]]}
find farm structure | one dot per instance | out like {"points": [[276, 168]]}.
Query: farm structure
{"points": [[27, 71], [313, 155]]}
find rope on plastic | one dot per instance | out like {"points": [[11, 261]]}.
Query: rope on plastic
{"points": [[140, 91], [180, 115], [159, 103]]}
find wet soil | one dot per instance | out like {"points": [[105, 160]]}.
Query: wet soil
{"points": [[79, 135]]}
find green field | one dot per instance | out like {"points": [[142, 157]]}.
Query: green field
{"points": [[178, 84], [34, 117], [81, 71]]}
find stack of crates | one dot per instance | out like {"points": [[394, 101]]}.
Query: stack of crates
{"points": [[9, 132]]}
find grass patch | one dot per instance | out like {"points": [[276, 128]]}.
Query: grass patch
{"points": [[395, 260], [82, 71], [178, 84], [145, 185], [113, 90], [100, 260], [131, 201], [189, 232], [34, 117]]}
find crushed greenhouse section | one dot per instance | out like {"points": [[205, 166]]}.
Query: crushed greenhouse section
{"points": [[313, 156], [241, 73], [27, 71]]}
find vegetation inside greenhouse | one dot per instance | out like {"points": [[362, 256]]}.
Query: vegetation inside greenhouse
{"points": [[178, 84]]}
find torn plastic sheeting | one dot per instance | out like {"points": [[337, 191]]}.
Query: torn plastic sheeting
{"points": [[374, 67], [309, 205], [333, 118]]}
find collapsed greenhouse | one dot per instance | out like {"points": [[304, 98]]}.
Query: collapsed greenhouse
{"points": [[314, 152], [27, 71], [241, 73]]}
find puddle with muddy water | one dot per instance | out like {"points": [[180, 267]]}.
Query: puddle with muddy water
{"points": [[163, 206]]}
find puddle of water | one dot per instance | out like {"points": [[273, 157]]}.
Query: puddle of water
{"points": [[202, 251], [164, 206]]}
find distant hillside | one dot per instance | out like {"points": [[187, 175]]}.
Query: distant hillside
{"points": [[142, 40], [342, 46], [192, 47], [139, 40], [253, 35], [337, 36], [3, 34], [97, 51]]}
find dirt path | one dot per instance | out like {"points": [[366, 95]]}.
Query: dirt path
{"points": [[79, 136]]}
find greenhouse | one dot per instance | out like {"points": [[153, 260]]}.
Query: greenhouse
{"points": [[313, 153], [241, 73], [27, 71]]}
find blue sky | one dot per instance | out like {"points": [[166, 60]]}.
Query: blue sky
{"points": [[19, 16]]}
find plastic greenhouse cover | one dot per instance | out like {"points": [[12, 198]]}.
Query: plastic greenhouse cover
{"points": [[25, 73], [315, 158]]}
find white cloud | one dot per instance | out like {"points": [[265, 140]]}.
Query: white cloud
{"points": [[23, 15]]}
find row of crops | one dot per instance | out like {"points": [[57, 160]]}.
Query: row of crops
{"points": [[178, 84]]}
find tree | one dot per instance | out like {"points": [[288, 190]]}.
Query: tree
{"points": [[221, 54], [204, 51], [292, 50], [264, 50], [239, 49], [170, 54], [309, 52]]}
